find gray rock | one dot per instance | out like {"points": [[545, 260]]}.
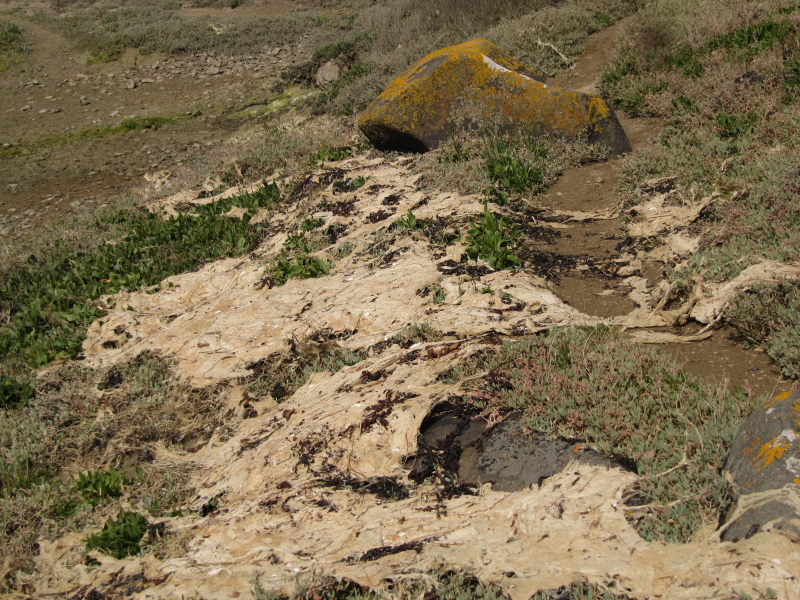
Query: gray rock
{"points": [[764, 468], [512, 459], [327, 74], [507, 455]]}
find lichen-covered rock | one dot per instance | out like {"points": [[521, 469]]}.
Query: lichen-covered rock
{"points": [[477, 83], [764, 468]]}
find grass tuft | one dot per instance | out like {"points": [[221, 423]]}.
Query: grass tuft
{"points": [[490, 239], [769, 315], [281, 376], [119, 538], [13, 43], [13, 393], [98, 486]]}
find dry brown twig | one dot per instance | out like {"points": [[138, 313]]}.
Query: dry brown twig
{"points": [[563, 57]]}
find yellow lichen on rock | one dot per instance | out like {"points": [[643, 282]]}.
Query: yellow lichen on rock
{"points": [[474, 84]]}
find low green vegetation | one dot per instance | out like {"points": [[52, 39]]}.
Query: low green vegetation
{"points": [[99, 486], [13, 43], [590, 385], [511, 172], [99, 420], [491, 239], [330, 154], [436, 292], [727, 91], [119, 537], [769, 315], [509, 167], [416, 333], [14, 393], [408, 221], [48, 298], [295, 261]]}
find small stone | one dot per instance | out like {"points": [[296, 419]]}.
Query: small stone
{"points": [[26, 107], [43, 111], [327, 74], [130, 84], [83, 100]]}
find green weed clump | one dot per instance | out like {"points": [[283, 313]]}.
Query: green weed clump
{"points": [[49, 297], [437, 293], [629, 401], [490, 239], [13, 42], [119, 538], [98, 486], [506, 165], [511, 172], [408, 221], [769, 315], [14, 393], [295, 262], [330, 154]]}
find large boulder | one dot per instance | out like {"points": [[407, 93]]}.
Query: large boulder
{"points": [[764, 467], [475, 84]]}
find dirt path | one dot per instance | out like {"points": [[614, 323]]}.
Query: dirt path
{"points": [[593, 289]]}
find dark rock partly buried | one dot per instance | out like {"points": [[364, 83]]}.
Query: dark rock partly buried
{"points": [[507, 455], [476, 84], [764, 467]]}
